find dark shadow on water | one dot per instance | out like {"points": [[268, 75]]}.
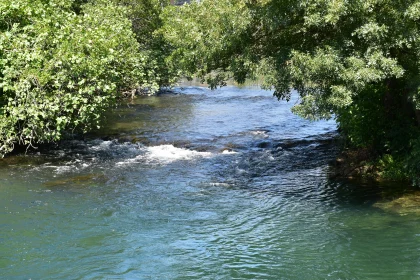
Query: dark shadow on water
{"points": [[302, 168]]}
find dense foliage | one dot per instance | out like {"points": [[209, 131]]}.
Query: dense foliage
{"points": [[63, 62], [357, 61]]}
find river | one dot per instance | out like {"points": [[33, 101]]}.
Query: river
{"points": [[224, 184]]}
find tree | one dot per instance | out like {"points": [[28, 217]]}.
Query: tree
{"points": [[146, 21], [357, 61]]}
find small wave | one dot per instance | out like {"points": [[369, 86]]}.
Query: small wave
{"points": [[64, 167], [100, 145], [217, 184], [261, 133]]}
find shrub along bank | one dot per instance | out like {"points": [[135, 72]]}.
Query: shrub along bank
{"points": [[64, 62]]}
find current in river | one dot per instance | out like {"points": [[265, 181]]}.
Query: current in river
{"points": [[199, 184]]}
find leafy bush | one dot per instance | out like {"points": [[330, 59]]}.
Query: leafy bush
{"points": [[61, 69]]}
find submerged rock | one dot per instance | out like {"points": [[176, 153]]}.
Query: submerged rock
{"points": [[263, 145], [406, 204], [78, 181]]}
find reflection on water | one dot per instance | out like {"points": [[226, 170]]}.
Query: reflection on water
{"points": [[199, 185]]}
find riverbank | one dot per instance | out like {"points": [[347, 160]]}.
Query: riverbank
{"points": [[355, 164], [364, 163]]}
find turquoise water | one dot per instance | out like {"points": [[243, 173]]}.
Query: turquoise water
{"points": [[199, 185]]}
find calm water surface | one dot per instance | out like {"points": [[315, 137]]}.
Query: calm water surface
{"points": [[198, 185]]}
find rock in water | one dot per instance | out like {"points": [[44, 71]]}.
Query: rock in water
{"points": [[404, 205]]}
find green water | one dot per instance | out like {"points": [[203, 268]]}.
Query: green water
{"points": [[199, 185]]}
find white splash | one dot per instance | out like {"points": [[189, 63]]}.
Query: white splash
{"points": [[165, 154], [228, 152], [169, 153]]}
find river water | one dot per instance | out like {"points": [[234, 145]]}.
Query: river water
{"points": [[224, 184]]}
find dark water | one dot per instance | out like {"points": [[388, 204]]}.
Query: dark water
{"points": [[199, 185]]}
